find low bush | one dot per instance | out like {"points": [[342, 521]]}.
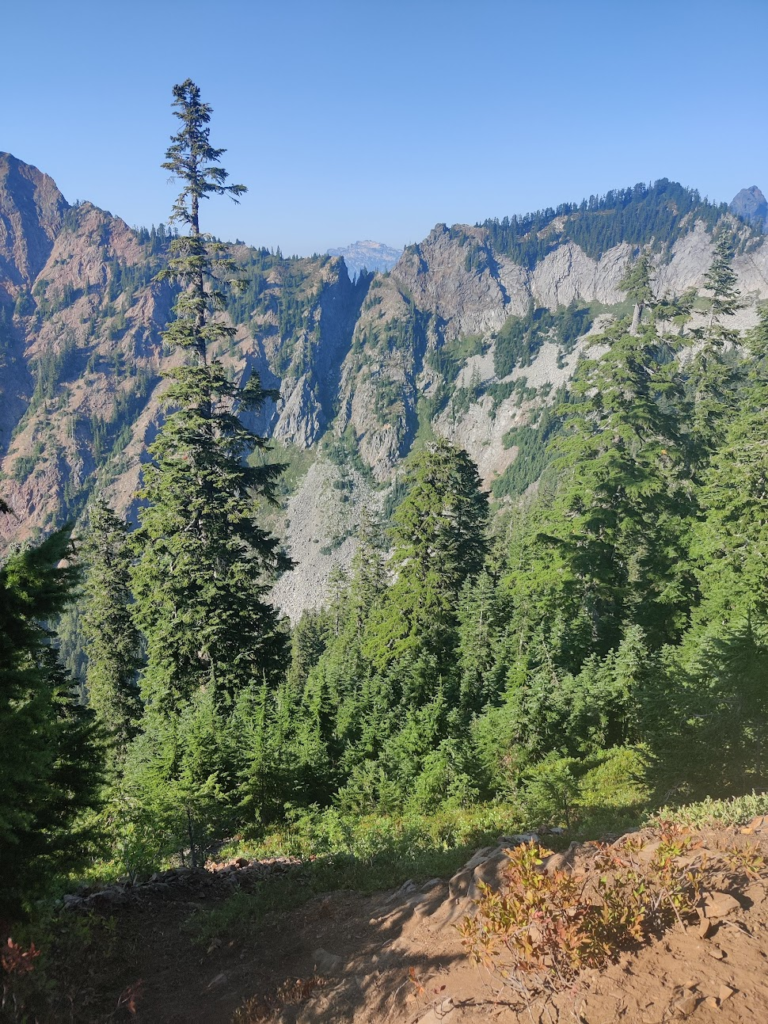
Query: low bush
{"points": [[542, 928]]}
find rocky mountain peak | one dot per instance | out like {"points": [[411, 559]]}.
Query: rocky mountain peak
{"points": [[367, 255], [752, 205], [31, 214]]}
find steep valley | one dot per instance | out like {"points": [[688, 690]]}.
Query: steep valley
{"points": [[366, 369]]}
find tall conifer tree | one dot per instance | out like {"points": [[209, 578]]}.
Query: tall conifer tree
{"points": [[112, 640], [713, 382], [205, 563], [49, 766]]}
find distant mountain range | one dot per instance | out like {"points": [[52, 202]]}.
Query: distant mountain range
{"points": [[367, 256], [468, 336]]}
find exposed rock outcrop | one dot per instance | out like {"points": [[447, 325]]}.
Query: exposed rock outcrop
{"points": [[31, 215], [751, 204], [379, 361]]}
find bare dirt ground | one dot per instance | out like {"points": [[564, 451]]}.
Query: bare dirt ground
{"points": [[397, 957]]}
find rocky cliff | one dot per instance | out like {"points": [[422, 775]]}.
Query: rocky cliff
{"points": [[468, 335], [751, 205]]}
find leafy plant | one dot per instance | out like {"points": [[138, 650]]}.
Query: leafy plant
{"points": [[545, 926]]}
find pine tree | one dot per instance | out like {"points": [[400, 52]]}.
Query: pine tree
{"points": [[637, 283], [713, 383], [609, 547], [731, 540], [720, 279], [112, 641], [439, 539], [205, 563], [49, 765]]}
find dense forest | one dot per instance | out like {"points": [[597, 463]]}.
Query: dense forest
{"points": [[642, 216], [598, 643]]}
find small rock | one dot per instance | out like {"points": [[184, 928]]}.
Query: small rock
{"points": [[649, 851], [705, 927], [756, 893], [725, 992], [685, 1006], [405, 889], [479, 857], [712, 1002], [718, 904], [758, 824], [217, 982], [438, 1013], [458, 887], [491, 872], [716, 953], [325, 962], [524, 837]]}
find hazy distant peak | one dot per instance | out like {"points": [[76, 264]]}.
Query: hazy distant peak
{"points": [[369, 255], [752, 205]]}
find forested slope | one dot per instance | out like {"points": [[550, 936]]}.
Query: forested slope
{"points": [[467, 337]]}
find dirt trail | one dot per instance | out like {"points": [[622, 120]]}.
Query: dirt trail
{"points": [[397, 957]]}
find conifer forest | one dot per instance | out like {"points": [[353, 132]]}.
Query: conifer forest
{"points": [[576, 637]]}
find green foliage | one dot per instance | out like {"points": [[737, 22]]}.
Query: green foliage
{"points": [[533, 456], [642, 215], [204, 562], [48, 762], [111, 638], [521, 337], [739, 810], [448, 358]]}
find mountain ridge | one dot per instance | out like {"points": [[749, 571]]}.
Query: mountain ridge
{"points": [[367, 255], [367, 368]]}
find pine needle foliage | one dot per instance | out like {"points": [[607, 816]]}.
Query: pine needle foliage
{"points": [[205, 563], [113, 642], [49, 765]]}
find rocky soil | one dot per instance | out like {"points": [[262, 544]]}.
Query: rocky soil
{"points": [[397, 956]]}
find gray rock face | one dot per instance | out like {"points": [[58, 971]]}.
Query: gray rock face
{"points": [[378, 362], [367, 255], [751, 204]]}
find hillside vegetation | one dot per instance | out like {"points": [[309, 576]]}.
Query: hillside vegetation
{"points": [[570, 636]]}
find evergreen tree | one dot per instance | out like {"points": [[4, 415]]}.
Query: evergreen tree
{"points": [[112, 641], [49, 766], [731, 541], [205, 563], [609, 547], [439, 541], [713, 382], [639, 288], [720, 279]]}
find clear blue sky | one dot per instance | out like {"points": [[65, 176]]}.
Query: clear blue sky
{"points": [[351, 120]]}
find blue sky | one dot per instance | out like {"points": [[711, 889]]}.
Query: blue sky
{"points": [[379, 118]]}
